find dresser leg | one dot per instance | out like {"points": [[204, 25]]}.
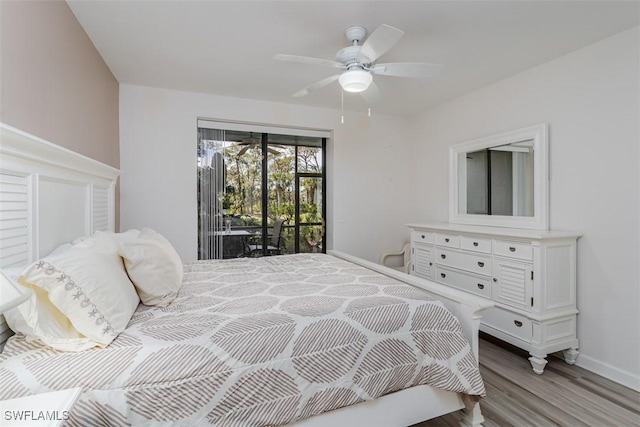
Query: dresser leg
{"points": [[538, 363], [570, 355]]}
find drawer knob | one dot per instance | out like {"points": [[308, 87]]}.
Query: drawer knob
{"points": [[480, 286], [480, 264], [430, 263], [517, 323], [446, 239], [495, 279], [475, 243], [422, 236], [443, 256], [512, 249], [443, 275]]}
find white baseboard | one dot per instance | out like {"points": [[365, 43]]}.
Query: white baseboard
{"points": [[618, 375]]}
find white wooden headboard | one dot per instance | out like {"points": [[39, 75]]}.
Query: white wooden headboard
{"points": [[49, 195]]}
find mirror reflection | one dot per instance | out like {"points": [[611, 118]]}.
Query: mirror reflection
{"points": [[499, 180]]}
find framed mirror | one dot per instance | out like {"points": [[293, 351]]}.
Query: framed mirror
{"points": [[501, 180]]}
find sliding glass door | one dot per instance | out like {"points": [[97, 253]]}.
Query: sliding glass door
{"points": [[259, 193], [310, 217]]}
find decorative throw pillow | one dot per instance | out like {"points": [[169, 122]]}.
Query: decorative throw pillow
{"points": [[82, 297], [120, 238], [154, 266]]}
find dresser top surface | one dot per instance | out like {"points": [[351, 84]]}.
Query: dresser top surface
{"points": [[494, 231]]}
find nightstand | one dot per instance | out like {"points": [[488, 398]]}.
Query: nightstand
{"points": [[45, 409]]}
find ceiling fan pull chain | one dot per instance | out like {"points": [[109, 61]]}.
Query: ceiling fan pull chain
{"points": [[342, 111], [369, 112]]}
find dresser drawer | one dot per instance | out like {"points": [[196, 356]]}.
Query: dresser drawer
{"points": [[473, 262], [510, 249], [508, 322], [476, 244], [464, 281], [421, 236], [448, 240]]}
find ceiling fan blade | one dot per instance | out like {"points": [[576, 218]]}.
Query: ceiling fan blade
{"points": [[317, 85], [308, 60], [380, 41], [371, 95], [243, 150], [408, 69], [274, 152]]}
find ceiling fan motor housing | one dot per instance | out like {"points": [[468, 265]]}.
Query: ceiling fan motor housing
{"points": [[350, 56]]}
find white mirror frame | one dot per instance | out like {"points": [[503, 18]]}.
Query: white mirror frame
{"points": [[457, 172]]}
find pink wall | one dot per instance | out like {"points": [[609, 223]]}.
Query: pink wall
{"points": [[54, 83]]}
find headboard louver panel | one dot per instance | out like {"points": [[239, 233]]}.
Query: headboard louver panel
{"points": [[48, 196], [14, 220], [100, 209]]}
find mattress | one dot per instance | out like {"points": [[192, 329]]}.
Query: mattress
{"points": [[256, 342]]}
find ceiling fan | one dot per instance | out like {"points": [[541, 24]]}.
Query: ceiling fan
{"points": [[254, 141], [359, 61]]}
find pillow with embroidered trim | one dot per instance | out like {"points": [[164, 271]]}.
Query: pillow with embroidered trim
{"points": [[123, 237], [154, 267], [82, 297]]}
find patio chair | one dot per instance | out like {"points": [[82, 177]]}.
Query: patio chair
{"points": [[273, 244]]}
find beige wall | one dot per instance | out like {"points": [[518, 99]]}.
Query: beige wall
{"points": [[54, 83]]}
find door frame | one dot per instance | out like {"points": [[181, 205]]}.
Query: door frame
{"points": [[297, 176]]}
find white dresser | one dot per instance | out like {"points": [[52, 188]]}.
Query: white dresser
{"points": [[530, 275]]}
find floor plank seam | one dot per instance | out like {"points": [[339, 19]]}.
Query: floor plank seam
{"points": [[564, 395]]}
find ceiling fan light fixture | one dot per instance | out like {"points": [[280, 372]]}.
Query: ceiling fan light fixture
{"points": [[355, 80]]}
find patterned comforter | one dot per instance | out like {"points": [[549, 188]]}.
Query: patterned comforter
{"points": [[254, 342]]}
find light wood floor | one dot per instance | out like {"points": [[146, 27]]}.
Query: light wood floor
{"points": [[563, 395]]}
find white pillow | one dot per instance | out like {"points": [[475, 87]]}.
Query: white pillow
{"points": [[61, 249], [121, 237], [154, 266], [82, 297]]}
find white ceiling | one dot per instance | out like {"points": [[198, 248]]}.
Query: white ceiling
{"points": [[226, 47]]}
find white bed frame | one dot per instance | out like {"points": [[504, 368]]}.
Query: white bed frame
{"points": [[50, 195]]}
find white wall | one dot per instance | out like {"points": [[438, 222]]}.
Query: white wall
{"points": [[382, 175], [590, 99], [367, 175]]}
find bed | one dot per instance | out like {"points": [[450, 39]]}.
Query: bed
{"points": [[305, 340]]}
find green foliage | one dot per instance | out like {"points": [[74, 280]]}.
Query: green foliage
{"points": [[242, 197]]}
